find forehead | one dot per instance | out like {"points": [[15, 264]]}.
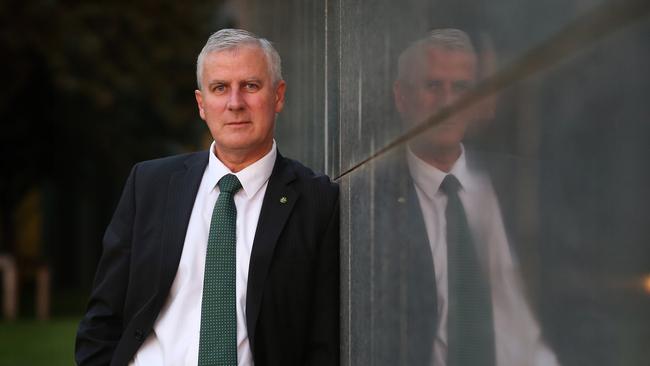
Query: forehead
{"points": [[239, 62], [442, 63]]}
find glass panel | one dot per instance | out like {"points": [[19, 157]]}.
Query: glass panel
{"points": [[551, 104]]}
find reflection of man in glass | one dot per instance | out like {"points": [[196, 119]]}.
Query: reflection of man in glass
{"points": [[482, 315], [433, 73]]}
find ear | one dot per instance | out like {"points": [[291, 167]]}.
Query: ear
{"points": [[199, 103], [279, 96], [487, 66], [398, 95]]}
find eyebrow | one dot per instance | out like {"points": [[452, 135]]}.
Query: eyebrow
{"points": [[246, 80], [214, 82]]}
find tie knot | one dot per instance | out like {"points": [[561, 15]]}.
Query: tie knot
{"points": [[450, 185], [229, 183]]}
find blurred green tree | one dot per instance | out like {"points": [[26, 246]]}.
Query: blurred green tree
{"points": [[89, 88]]}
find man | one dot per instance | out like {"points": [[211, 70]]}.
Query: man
{"points": [[459, 284], [222, 257]]}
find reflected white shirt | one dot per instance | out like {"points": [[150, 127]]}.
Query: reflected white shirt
{"points": [[174, 340], [517, 335]]}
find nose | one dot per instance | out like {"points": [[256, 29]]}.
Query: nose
{"points": [[235, 100], [447, 96]]}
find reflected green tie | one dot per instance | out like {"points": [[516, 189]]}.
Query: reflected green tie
{"points": [[470, 331], [218, 342]]}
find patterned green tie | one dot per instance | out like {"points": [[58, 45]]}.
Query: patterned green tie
{"points": [[218, 342], [470, 330]]}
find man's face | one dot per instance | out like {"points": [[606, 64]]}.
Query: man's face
{"points": [[238, 101], [434, 79]]}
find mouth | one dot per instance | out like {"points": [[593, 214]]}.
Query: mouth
{"points": [[444, 124], [237, 123]]}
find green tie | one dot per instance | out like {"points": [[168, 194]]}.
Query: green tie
{"points": [[218, 342], [470, 332]]}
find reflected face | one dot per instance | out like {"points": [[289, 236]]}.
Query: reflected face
{"points": [[435, 78], [238, 101]]}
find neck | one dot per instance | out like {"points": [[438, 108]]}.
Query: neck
{"points": [[442, 158], [237, 160]]}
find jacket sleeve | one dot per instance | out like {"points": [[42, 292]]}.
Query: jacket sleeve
{"points": [[102, 325], [323, 346]]}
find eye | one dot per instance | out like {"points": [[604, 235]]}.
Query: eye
{"points": [[252, 86], [433, 85], [219, 88], [462, 86]]}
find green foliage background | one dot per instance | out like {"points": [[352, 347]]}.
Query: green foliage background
{"points": [[88, 89]]}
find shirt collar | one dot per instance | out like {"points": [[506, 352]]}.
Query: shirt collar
{"points": [[252, 177], [429, 178]]}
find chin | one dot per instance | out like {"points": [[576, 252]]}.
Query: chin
{"points": [[242, 144], [441, 138], [232, 144], [446, 143]]}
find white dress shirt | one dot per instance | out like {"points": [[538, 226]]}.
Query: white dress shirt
{"points": [[174, 340], [517, 335]]}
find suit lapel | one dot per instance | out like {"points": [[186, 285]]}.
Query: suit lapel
{"points": [[422, 304], [509, 175], [406, 266], [183, 187], [279, 201]]}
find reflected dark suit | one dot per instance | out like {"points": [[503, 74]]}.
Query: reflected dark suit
{"points": [[404, 261], [292, 297]]}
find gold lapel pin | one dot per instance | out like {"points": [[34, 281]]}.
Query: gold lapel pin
{"points": [[283, 199]]}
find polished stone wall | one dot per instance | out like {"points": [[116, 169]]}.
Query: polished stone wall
{"points": [[558, 125]]}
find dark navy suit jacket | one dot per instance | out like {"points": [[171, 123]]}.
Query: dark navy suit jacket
{"points": [[406, 310], [292, 308]]}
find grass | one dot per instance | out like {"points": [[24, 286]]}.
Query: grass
{"points": [[36, 343]]}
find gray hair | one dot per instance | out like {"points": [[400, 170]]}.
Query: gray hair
{"points": [[449, 39], [228, 39]]}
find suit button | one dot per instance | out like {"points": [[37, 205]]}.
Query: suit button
{"points": [[139, 334]]}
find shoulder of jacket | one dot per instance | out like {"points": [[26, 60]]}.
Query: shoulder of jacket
{"points": [[162, 167], [306, 176], [174, 160]]}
